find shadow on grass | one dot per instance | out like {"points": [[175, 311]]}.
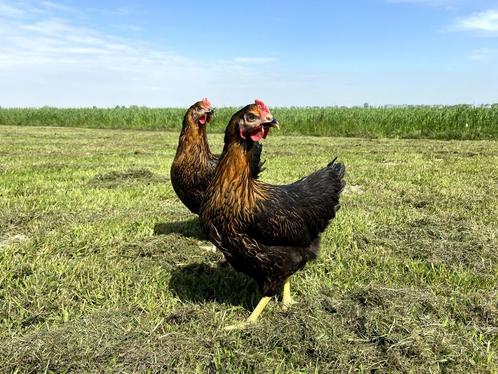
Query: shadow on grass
{"points": [[201, 282], [190, 229], [118, 178]]}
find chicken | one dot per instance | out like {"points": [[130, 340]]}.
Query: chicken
{"points": [[266, 231], [194, 164]]}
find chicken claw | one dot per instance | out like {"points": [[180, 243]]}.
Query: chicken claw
{"points": [[253, 317], [286, 296]]}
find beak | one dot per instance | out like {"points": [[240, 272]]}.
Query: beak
{"points": [[272, 123]]}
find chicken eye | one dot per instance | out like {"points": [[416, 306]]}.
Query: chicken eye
{"points": [[251, 117]]}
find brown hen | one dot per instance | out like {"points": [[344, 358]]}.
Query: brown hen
{"points": [[194, 164]]}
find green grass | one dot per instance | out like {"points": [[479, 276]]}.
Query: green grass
{"points": [[418, 122], [101, 267]]}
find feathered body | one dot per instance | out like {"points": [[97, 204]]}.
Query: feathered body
{"points": [[194, 165], [266, 231]]}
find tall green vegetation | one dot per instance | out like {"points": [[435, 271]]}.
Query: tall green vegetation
{"points": [[436, 122]]}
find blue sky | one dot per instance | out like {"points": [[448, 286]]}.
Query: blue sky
{"points": [[289, 53]]}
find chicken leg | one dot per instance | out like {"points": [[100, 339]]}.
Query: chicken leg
{"points": [[286, 295], [254, 315]]}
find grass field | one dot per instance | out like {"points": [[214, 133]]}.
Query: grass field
{"points": [[102, 268], [416, 122]]}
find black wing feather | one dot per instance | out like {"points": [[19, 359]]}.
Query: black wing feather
{"points": [[295, 214]]}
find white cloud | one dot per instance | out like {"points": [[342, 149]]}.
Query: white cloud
{"points": [[486, 21], [51, 61], [483, 54], [122, 11], [7, 10], [56, 6], [254, 60]]}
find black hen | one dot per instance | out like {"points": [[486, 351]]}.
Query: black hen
{"points": [[268, 232]]}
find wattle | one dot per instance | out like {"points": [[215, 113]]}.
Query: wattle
{"points": [[257, 134]]}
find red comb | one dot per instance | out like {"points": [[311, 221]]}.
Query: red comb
{"points": [[262, 107], [206, 103]]}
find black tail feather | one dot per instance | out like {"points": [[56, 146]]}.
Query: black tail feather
{"points": [[338, 169]]}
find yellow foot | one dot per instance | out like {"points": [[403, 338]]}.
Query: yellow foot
{"points": [[253, 317], [239, 326], [286, 296]]}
